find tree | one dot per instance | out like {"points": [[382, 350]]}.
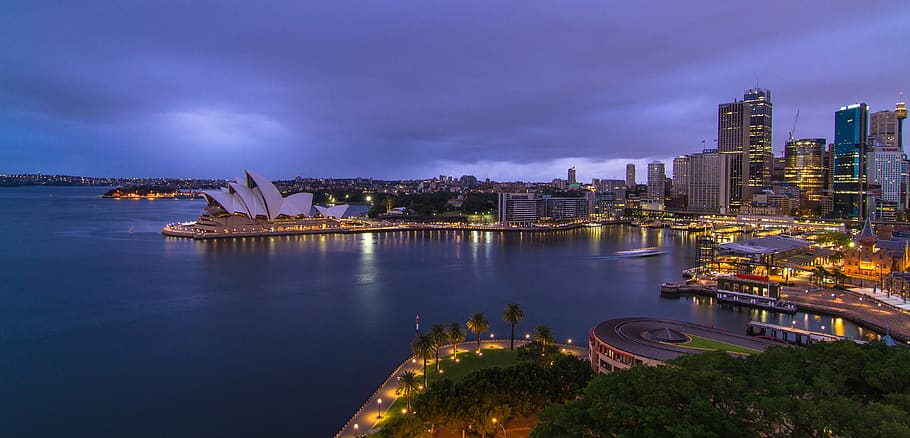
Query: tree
{"points": [[456, 334], [543, 336], [440, 338], [408, 384], [477, 325], [423, 345], [512, 315]]}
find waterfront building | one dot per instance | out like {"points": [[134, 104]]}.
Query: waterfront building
{"points": [[874, 256], [680, 175], [657, 176], [622, 343], [630, 176], [565, 208], [253, 206], [733, 124], [518, 209], [759, 150], [805, 166], [849, 176], [571, 178], [707, 190]]}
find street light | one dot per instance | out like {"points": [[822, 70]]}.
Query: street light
{"points": [[380, 408], [500, 425], [356, 430]]}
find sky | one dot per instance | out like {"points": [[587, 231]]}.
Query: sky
{"points": [[507, 90]]}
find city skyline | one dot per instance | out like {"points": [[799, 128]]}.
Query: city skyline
{"points": [[408, 91]]}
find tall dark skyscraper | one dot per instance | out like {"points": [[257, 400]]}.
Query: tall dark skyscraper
{"points": [[733, 120], [761, 154], [850, 139], [572, 179]]}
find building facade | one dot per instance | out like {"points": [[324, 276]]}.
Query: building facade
{"points": [[681, 175], [518, 209], [630, 176], [759, 149], [706, 188], [733, 120], [849, 176], [657, 176], [874, 256], [883, 129], [572, 179], [805, 166]]}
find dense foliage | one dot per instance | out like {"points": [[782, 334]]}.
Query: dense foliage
{"points": [[828, 389], [428, 204], [471, 404]]}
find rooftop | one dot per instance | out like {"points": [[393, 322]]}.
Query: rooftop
{"points": [[766, 245]]}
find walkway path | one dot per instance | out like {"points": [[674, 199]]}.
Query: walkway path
{"points": [[854, 306], [366, 418]]}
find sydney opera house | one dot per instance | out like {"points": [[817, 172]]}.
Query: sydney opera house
{"points": [[253, 206]]}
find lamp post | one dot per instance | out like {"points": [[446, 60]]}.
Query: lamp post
{"points": [[500, 425], [380, 408], [356, 430]]}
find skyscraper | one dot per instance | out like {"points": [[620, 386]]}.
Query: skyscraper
{"points": [[630, 176], [883, 129], [680, 175], [707, 189], [657, 176], [805, 166], [901, 109], [760, 152], [733, 121], [572, 176], [884, 169], [850, 139]]}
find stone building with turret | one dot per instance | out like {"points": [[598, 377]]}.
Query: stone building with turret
{"points": [[874, 256]]}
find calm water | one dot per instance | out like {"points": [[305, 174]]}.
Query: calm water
{"points": [[107, 333]]}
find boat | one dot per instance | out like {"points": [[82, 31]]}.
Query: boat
{"points": [[640, 252], [756, 301]]}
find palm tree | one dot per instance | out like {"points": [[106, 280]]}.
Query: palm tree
{"points": [[456, 334], [512, 315], [440, 338], [423, 345], [408, 383], [544, 336], [478, 324]]}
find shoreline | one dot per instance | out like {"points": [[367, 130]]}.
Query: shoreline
{"points": [[185, 230]]}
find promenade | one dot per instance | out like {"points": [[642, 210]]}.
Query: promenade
{"points": [[862, 308], [367, 417]]}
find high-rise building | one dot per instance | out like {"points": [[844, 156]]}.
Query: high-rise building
{"points": [[707, 189], [884, 172], [572, 179], [733, 121], [883, 129], [630, 176], [657, 178], [849, 178], [760, 152], [805, 166], [680, 175]]}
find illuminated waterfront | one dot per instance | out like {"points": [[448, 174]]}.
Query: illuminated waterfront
{"points": [[103, 329]]}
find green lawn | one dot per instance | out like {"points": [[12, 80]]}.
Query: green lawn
{"points": [[468, 361], [710, 344]]}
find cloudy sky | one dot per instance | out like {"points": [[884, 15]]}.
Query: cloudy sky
{"points": [[410, 89]]}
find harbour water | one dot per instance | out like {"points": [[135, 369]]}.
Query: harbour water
{"points": [[104, 331]]}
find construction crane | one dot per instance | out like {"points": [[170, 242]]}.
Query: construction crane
{"points": [[795, 120]]}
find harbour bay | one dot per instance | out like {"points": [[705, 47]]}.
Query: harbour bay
{"points": [[110, 332]]}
